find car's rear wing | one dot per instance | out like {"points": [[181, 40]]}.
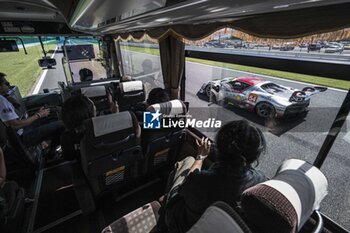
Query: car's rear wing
{"points": [[314, 90], [299, 96]]}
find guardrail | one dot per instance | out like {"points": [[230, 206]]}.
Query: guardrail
{"points": [[303, 55], [276, 54]]}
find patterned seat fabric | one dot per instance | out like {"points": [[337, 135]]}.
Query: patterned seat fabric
{"points": [[141, 220], [285, 203]]}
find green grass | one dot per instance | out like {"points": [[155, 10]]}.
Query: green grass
{"points": [[317, 80], [141, 50], [23, 70]]}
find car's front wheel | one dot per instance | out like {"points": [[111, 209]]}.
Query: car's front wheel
{"points": [[265, 110], [208, 90]]}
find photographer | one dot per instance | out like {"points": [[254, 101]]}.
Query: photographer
{"points": [[30, 133]]}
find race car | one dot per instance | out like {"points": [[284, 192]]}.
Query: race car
{"points": [[255, 94]]}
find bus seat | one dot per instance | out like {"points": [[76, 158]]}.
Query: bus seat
{"points": [[13, 207], [32, 160], [141, 220], [285, 203], [130, 94], [99, 95], [161, 146], [19, 162], [110, 150], [220, 218]]}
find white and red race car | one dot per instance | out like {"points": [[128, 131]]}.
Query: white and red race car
{"points": [[266, 98]]}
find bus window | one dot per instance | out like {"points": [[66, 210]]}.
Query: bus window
{"points": [[83, 53], [22, 69], [294, 115], [141, 61], [336, 169]]}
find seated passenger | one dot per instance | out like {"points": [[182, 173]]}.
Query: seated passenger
{"points": [[239, 144], [156, 95], [75, 110], [126, 78], [30, 133], [85, 75]]}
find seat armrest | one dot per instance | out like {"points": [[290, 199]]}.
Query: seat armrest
{"points": [[319, 223]]}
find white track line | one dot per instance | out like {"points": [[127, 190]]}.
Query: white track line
{"points": [[347, 134], [42, 77]]}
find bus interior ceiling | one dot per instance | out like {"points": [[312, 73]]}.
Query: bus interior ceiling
{"points": [[62, 200]]}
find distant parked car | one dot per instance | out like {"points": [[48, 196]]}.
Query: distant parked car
{"points": [[314, 47], [346, 45], [276, 46], [262, 45], [219, 45], [286, 48], [209, 44], [334, 47], [248, 46], [215, 44], [323, 44]]}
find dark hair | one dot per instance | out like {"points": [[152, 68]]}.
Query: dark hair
{"points": [[157, 95], [75, 110], [240, 143], [85, 75], [2, 78]]}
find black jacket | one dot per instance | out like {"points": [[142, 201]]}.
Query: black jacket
{"points": [[70, 142], [203, 188]]}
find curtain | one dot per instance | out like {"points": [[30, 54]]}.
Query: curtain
{"points": [[172, 55], [291, 24]]}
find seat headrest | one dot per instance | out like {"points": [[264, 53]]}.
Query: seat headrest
{"points": [[131, 86], [173, 108], [111, 123], [94, 91], [284, 203], [219, 218]]}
